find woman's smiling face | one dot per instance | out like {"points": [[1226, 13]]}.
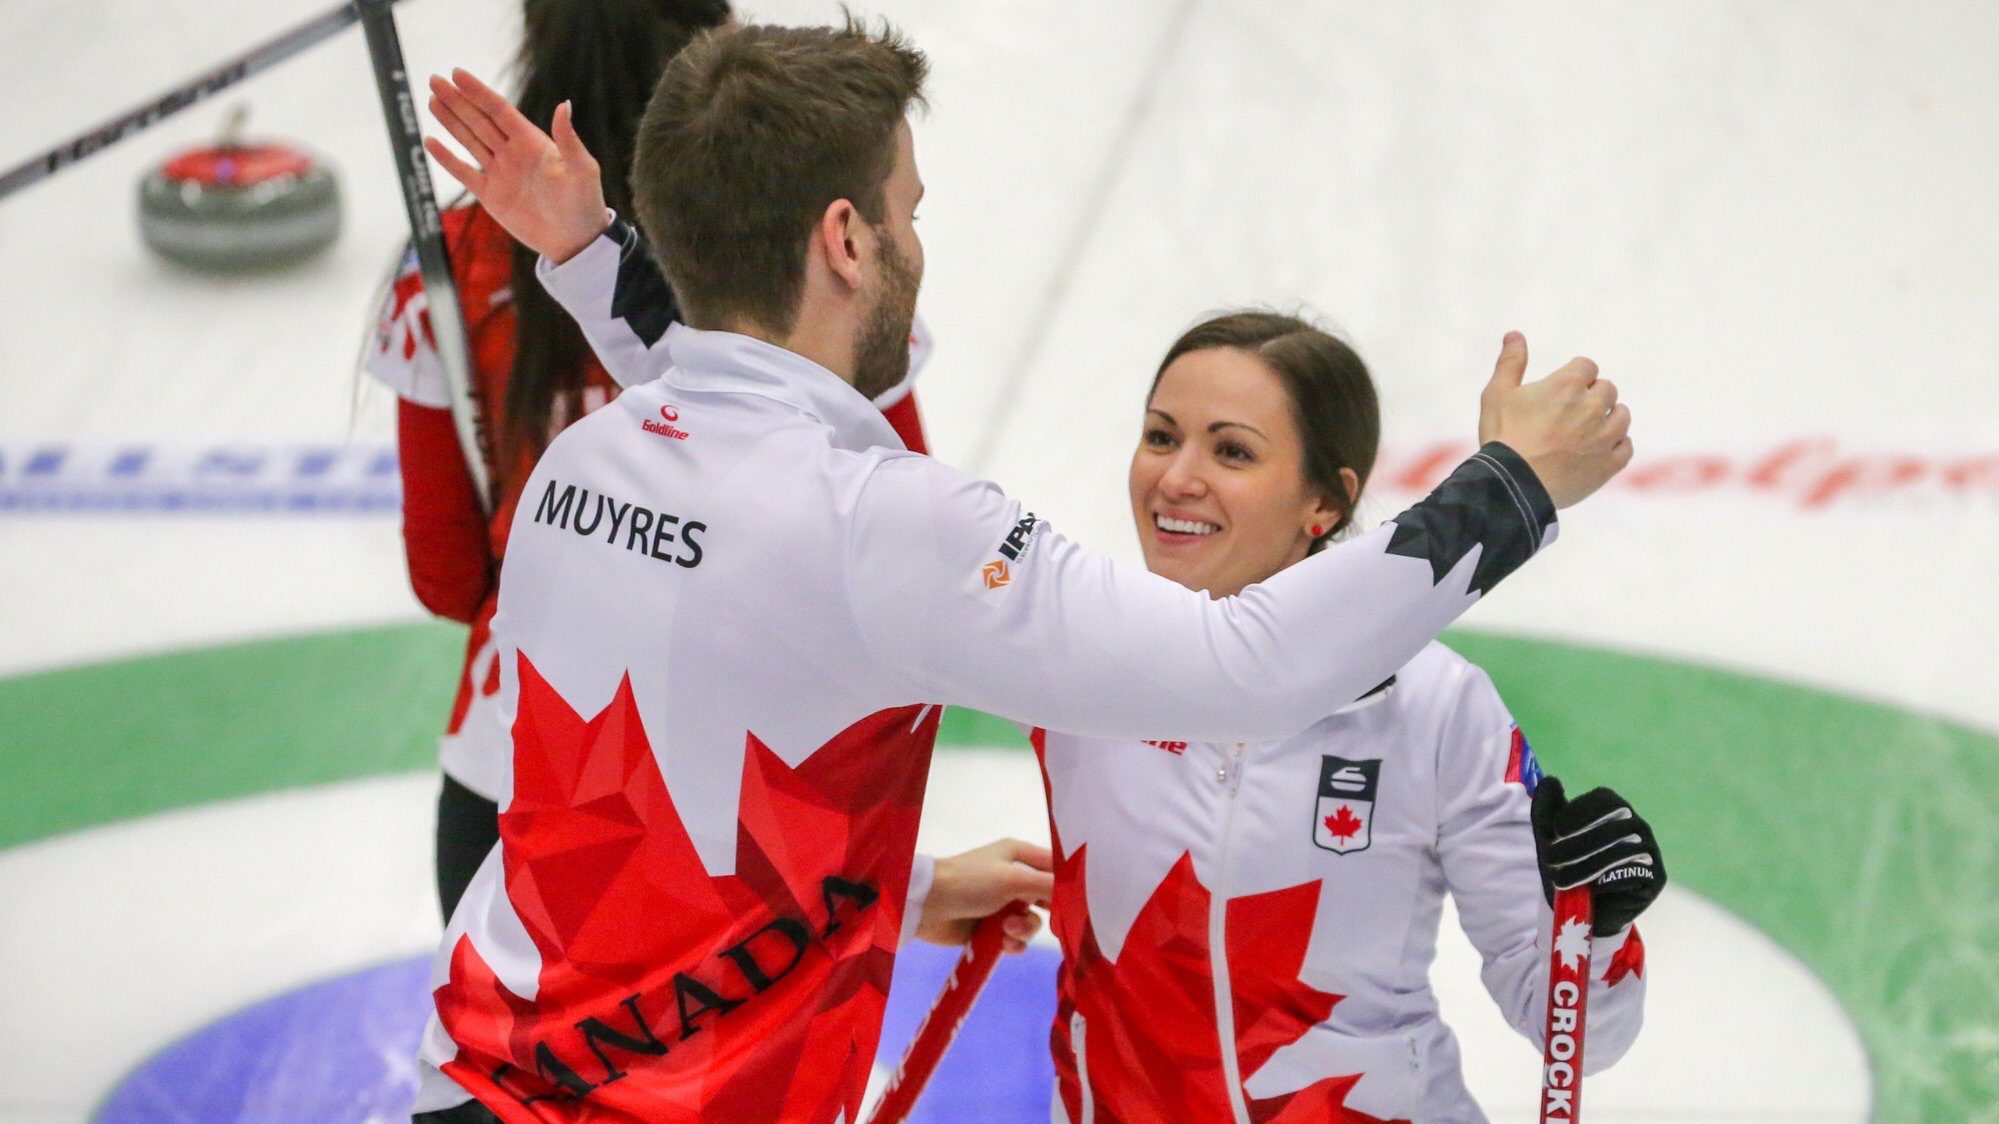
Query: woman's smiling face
{"points": [[1218, 486]]}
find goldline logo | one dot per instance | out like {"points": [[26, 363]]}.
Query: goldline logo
{"points": [[668, 414]]}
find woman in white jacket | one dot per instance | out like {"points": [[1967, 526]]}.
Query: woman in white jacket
{"points": [[1247, 928]]}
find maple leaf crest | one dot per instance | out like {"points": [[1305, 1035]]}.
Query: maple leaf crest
{"points": [[1572, 943], [1343, 823], [1149, 1016], [665, 992]]}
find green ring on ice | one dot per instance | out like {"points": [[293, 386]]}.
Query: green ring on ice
{"points": [[1856, 834]]}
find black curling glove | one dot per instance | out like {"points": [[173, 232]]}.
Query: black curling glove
{"points": [[1596, 839]]}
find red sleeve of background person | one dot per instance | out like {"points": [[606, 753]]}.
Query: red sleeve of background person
{"points": [[451, 567], [444, 532], [908, 423]]}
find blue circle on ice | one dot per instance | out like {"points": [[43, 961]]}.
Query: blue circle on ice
{"points": [[343, 1051]]}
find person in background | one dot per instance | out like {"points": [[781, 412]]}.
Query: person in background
{"points": [[531, 370]]}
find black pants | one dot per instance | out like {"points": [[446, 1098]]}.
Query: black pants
{"points": [[468, 825], [471, 1112]]}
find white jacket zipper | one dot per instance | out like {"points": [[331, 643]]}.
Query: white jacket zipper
{"points": [[1230, 773]]}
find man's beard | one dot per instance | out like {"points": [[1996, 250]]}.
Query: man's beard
{"points": [[881, 354]]}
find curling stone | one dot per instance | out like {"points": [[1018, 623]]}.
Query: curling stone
{"points": [[234, 206]]}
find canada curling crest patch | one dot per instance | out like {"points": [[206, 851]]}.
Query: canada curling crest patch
{"points": [[1344, 818]]}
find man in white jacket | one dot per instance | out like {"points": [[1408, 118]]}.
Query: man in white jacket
{"points": [[732, 606]]}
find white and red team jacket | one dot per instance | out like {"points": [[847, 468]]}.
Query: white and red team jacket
{"points": [[1247, 927], [452, 545], [731, 608]]}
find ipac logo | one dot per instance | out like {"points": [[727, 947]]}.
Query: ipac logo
{"points": [[998, 572], [668, 414], [1017, 539]]}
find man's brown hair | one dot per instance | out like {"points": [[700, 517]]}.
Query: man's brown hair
{"points": [[753, 132]]}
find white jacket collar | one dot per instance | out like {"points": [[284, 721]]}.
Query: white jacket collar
{"points": [[729, 362]]}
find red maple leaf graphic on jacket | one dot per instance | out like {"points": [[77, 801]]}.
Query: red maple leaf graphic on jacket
{"points": [[1149, 1022], [668, 994], [1343, 823]]}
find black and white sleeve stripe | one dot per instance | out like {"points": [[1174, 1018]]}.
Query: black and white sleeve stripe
{"points": [[1492, 501], [641, 298]]}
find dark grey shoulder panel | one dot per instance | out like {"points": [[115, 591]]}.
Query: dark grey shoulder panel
{"points": [[642, 297], [1493, 501]]}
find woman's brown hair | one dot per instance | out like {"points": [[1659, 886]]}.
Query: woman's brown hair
{"points": [[604, 56]]}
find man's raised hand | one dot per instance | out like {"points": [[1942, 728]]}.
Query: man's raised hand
{"points": [[1569, 427], [544, 190]]}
